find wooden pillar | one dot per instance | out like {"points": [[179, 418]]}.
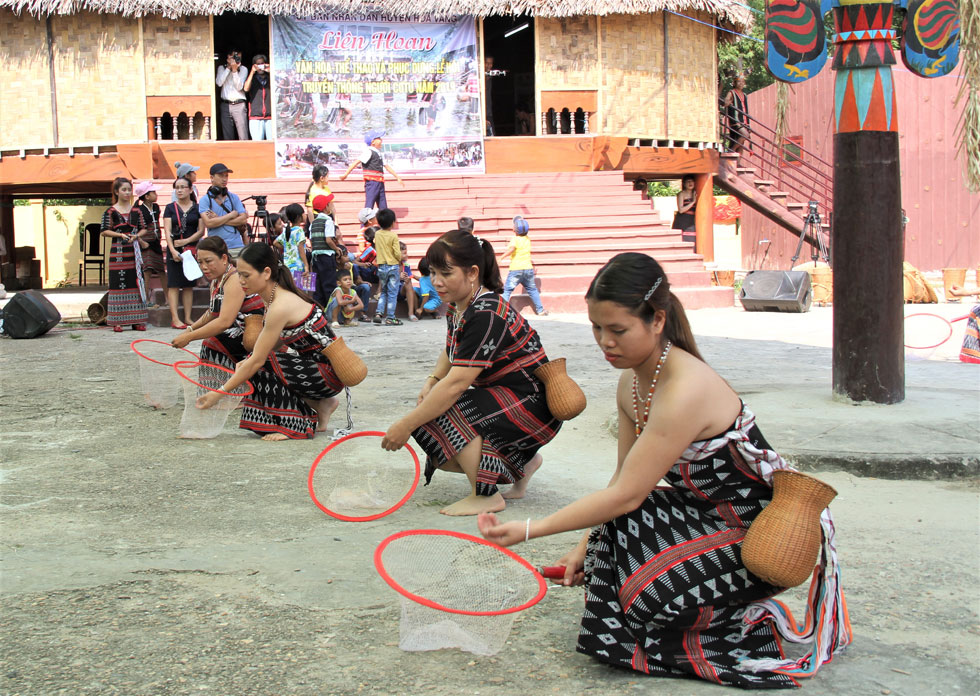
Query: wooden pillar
{"points": [[704, 216], [868, 244], [7, 225]]}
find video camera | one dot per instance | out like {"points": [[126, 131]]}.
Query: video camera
{"points": [[260, 202]]}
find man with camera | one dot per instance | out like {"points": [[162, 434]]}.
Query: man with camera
{"points": [[259, 90], [233, 110], [223, 213]]}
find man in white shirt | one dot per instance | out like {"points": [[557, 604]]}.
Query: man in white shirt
{"points": [[232, 108]]}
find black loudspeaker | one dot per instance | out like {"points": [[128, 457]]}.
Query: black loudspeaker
{"points": [[29, 314], [776, 291]]}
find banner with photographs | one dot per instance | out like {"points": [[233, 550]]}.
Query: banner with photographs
{"points": [[338, 79]]}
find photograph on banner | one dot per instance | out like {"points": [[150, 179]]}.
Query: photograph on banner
{"points": [[297, 157], [417, 82]]}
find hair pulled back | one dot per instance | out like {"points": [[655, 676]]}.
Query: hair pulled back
{"points": [[462, 249], [216, 245], [260, 256], [627, 279]]}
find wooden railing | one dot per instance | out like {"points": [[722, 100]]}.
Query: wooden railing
{"points": [[792, 168]]}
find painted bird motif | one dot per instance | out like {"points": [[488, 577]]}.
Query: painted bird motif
{"points": [[795, 31], [931, 37]]}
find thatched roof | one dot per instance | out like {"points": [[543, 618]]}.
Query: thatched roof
{"points": [[731, 13]]}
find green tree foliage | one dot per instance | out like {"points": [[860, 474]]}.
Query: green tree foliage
{"points": [[745, 55]]}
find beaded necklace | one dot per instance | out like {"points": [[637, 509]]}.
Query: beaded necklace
{"points": [[457, 319], [653, 387]]}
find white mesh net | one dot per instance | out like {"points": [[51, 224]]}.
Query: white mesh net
{"points": [[355, 478], [206, 423], [461, 574], [158, 381]]}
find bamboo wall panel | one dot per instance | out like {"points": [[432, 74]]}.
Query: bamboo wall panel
{"points": [[178, 56], [99, 78], [944, 217], [25, 98], [633, 75], [693, 82], [567, 53]]}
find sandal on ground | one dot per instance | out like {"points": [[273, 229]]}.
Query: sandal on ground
{"points": [[377, 318], [177, 325], [139, 327], [335, 325], [393, 322], [413, 318], [116, 329]]}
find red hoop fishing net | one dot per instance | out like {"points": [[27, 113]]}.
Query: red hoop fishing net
{"points": [[354, 480], [200, 378], [457, 590], [158, 381]]}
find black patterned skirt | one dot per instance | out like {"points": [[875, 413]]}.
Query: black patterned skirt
{"points": [[125, 304], [277, 405], [667, 592], [224, 349], [513, 428]]}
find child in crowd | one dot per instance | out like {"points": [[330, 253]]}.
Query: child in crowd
{"points": [[389, 257], [362, 289], [520, 269], [344, 302], [405, 287], [368, 219], [373, 166], [291, 244], [324, 247], [428, 298], [465, 224]]}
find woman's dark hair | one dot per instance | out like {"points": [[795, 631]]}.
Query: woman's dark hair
{"points": [[465, 224], [319, 171], [628, 279], [116, 185], [271, 220], [216, 245], [686, 178], [459, 248], [260, 256], [294, 215]]}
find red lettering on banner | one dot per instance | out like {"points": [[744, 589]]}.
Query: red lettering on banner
{"points": [[393, 42], [335, 40]]}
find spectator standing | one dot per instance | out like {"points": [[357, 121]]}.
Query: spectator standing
{"points": [[223, 212], [189, 172], [182, 229], [291, 244], [389, 257], [122, 223], [373, 166], [232, 109], [151, 251], [324, 250], [258, 89], [520, 269], [687, 200], [737, 114]]}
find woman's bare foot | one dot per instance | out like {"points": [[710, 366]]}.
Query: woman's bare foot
{"points": [[519, 489], [474, 505], [324, 409], [274, 437]]}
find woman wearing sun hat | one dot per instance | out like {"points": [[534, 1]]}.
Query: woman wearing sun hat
{"points": [[187, 171]]}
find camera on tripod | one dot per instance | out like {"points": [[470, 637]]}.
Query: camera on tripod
{"points": [[813, 208], [260, 203]]}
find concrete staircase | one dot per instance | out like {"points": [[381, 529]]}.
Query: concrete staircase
{"points": [[578, 221]]}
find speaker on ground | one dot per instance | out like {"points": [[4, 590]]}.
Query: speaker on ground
{"points": [[776, 291], [29, 314]]}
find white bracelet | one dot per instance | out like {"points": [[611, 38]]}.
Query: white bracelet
{"points": [[527, 529]]}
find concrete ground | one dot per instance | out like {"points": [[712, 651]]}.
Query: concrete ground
{"points": [[137, 563]]}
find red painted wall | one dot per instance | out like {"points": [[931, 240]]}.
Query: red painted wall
{"points": [[944, 217]]}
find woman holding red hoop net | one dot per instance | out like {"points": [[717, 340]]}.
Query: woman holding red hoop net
{"points": [[294, 392], [222, 327], [481, 412], [667, 591]]}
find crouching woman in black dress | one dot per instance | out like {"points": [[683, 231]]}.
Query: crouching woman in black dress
{"points": [[293, 395], [482, 411]]}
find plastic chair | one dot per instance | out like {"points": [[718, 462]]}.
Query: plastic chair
{"points": [[93, 254]]}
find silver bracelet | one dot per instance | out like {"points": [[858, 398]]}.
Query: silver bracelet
{"points": [[527, 530]]}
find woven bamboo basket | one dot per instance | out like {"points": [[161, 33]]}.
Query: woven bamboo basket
{"points": [[565, 398], [253, 327], [97, 311], [951, 277], [350, 369], [822, 280], [783, 543]]}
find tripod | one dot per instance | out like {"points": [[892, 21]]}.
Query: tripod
{"points": [[811, 225], [259, 219]]}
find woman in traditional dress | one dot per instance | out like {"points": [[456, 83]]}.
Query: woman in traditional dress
{"points": [[183, 226], [294, 392], [123, 223], [668, 593], [687, 200], [970, 350], [222, 327], [737, 114], [482, 411]]}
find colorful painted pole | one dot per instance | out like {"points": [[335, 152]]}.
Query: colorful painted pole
{"points": [[867, 238]]}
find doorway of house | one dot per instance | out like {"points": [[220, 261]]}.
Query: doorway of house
{"points": [[243, 32], [509, 82]]}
